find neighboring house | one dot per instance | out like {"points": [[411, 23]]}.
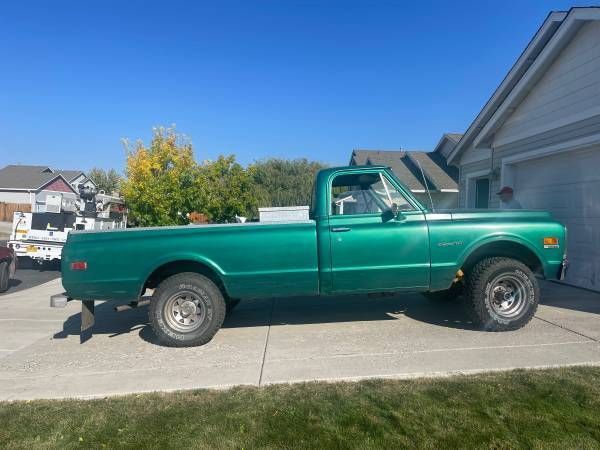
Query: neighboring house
{"points": [[440, 179], [540, 134], [35, 185]]}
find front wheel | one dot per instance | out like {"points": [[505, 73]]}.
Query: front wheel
{"points": [[187, 309], [502, 294]]}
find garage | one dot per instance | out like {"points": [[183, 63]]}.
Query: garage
{"points": [[567, 185]]}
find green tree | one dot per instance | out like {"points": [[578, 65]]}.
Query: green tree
{"points": [[282, 182], [225, 190], [107, 180], [161, 180]]}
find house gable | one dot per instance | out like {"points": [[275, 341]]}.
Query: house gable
{"points": [[58, 184], [568, 93]]}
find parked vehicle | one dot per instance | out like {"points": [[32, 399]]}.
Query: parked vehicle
{"points": [[8, 267], [366, 234], [42, 235]]}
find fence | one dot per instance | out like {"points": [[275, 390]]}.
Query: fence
{"points": [[7, 210]]}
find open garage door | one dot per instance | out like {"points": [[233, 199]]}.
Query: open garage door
{"points": [[568, 185]]}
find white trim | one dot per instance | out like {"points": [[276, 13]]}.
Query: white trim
{"points": [[469, 179], [7, 189], [549, 126], [507, 172], [448, 190], [418, 191]]}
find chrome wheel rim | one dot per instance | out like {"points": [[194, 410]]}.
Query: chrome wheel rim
{"points": [[185, 311], [508, 295]]}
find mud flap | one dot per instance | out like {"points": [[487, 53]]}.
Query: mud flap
{"points": [[87, 320]]}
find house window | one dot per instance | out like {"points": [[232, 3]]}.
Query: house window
{"points": [[482, 192]]}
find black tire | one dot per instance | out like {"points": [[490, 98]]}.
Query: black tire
{"points": [[231, 304], [447, 295], [4, 276], [186, 310], [502, 294]]}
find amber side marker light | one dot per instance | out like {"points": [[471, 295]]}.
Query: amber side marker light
{"points": [[550, 242], [79, 265]]}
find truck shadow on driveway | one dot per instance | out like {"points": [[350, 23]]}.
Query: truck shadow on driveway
{"points": [[290, 311], [339, 309]]}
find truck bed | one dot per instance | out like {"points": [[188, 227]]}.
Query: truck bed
{"points": [[252, 259]]}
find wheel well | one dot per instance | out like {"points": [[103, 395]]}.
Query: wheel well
{"points": [[166, 270], [507, 249]]}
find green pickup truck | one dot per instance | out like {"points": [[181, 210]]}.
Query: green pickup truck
{"points": [[366, 234]]}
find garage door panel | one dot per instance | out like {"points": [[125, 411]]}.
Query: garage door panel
{"points": [[568, 185]]}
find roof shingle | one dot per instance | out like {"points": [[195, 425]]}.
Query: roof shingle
{"points": [[31, 177], [405, 164]]}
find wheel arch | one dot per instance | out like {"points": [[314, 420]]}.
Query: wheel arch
{"points": [[505, 246], [175, 265]]}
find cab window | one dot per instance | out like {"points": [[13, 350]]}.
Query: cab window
{"points": [[365, 193]]}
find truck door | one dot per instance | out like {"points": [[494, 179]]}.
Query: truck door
{"points": [[373, 249]]}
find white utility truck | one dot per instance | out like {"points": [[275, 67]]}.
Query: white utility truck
{"points": [[42, 235]]}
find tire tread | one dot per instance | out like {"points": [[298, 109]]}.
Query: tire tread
{"points": [[475, 291], [219, 309]]}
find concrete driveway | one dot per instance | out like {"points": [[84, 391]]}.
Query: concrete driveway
{"points": [[30, 274], [284, 340]]}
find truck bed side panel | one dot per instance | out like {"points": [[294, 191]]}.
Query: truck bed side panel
{"points": [[253, 260]]}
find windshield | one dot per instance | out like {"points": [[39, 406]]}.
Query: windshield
{"points": [[368, 193]]}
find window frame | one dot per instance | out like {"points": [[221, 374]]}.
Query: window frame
{"points": [[382, 173]]}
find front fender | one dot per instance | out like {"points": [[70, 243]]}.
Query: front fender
{"points": [[494, 238]]}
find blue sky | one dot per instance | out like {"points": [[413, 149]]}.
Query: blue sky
{"points": [[254, 78]]}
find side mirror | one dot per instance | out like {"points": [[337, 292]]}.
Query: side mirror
{"points": [[388, 215], [392, 213]]}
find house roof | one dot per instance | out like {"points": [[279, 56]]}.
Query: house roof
{"points": [[545, 46], [405, 165], [31, 177], [70, 175], [454, 137]]}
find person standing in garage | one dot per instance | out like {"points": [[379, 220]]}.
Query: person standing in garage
{"points": [[508, 199]]}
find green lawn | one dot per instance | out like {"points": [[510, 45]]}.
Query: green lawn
{"points": [[522, 409]]}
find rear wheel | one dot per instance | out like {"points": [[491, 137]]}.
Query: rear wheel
{"points": [[4, 276], [186, 310], [502, 294]]}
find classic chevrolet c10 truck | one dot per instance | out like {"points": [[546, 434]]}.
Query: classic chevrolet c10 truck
{"points": [[366, 234]]}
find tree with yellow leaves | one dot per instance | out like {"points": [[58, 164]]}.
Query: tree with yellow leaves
{"points": [[161, 180], [164, 184]]}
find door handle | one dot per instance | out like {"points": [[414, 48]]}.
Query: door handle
{"points": [[340, 229]]}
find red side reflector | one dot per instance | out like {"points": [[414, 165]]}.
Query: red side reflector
{"points": [[79, 265]]}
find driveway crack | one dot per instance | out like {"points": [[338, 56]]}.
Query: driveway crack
{"points": [[264, 353], [567, 329]]}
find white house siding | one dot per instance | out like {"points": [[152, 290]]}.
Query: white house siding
{"points": [[14, 197], [468, 173], [567, 185], [548, 150], [568, 92]]}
